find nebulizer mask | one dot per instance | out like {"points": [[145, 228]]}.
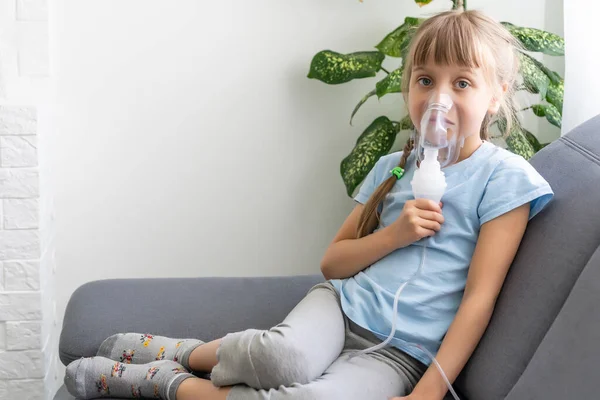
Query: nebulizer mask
{"points": [[438, 145]]}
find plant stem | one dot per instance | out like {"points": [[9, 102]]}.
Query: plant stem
{"points": [[459, 4], [385, 70], [525, 109]]}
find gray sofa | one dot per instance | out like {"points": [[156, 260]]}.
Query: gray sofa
{"points": [[542, 342]]}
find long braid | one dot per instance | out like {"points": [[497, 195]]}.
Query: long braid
{"points": [[369, 219]]}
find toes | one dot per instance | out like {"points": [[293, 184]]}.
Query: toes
{"points": [[108, 344], [75, 377]]}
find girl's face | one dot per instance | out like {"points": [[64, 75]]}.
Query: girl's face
{"points": [[472, 96]]}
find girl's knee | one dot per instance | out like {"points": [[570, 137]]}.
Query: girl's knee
{"points": [[279, 360]]}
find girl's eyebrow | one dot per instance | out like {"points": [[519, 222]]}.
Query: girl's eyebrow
{"points": [[465, 71]]}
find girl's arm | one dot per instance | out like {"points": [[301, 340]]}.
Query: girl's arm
{"points": [[346, 256], [496, 247]]}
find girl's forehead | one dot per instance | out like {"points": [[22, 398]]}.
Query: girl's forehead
{"points": [[443, 68]]}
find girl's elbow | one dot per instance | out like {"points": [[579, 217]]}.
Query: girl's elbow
{"points": [[325, 268]]}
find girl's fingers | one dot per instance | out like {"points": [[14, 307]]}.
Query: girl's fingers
{"points": [[431, 216], [430, 225], [428, 205]]}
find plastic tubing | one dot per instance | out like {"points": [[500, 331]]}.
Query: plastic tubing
{"points": [[394, 322]]}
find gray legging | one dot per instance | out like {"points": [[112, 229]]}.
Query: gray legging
{"points": [[306, 357]]}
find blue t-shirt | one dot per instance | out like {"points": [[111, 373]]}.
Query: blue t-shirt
{"points": [[491, 182]]}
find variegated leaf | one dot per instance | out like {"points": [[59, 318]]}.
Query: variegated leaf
{"points": [[390, 84], [517, 143], [548, 111], [534, 79], [406, 123], [537, 40], [375, 141], [535, 143], [422, 3], [335, 68], [396, 43], [555, 95]]}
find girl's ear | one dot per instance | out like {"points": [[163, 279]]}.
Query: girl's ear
{"points": [[496, 100]]}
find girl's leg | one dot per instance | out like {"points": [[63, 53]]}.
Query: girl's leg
{"points": [[140, 348], [90, 378], [204, 358], [296, 351], [362, 378], [196, 388]]}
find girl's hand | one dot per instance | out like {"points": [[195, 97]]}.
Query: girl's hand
{"points": [[420, 218]]}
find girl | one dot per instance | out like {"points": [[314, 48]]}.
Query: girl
{"points": [[490, 197]]}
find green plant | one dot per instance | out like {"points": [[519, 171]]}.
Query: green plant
{"points": [[377, 139]]}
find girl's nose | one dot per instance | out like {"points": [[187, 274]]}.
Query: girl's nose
{"points": [[441, 96]]}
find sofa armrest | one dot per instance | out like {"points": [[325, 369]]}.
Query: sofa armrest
{"points": [[203, 308], [565, 365]]}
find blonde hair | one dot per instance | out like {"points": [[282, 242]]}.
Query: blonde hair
{"points": [[467, 39]]}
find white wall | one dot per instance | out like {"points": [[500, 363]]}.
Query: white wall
{"points": [[190, 142], [582, 63], [28, 327]]}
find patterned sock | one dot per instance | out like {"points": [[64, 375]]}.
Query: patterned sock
{"points": [[90, 378], [138, 348]]}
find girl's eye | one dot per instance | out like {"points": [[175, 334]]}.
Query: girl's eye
{"points": [[424, 81], [463, 84]]}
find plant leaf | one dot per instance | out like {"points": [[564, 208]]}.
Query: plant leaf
{"points": [[517, 142], [554, 77], [390, 84], [422, 3], [534, 78], [555, 95], [335, 68], [406, 123], [535, 143], [551, 88], [373, 143], [361, 102], [537, 40], [548, 111], [396, 43]]}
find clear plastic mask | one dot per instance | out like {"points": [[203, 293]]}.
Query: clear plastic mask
{"points": [[438, 132]]}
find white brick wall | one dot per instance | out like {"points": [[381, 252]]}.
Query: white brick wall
{"points": [[21, 213], [27, 350], [28, 331], [23, 335], [18, 151], [18, 121], [21, 275], [26, 389]]}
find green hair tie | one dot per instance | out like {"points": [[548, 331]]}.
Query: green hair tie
{"points": [[399, 172]]}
